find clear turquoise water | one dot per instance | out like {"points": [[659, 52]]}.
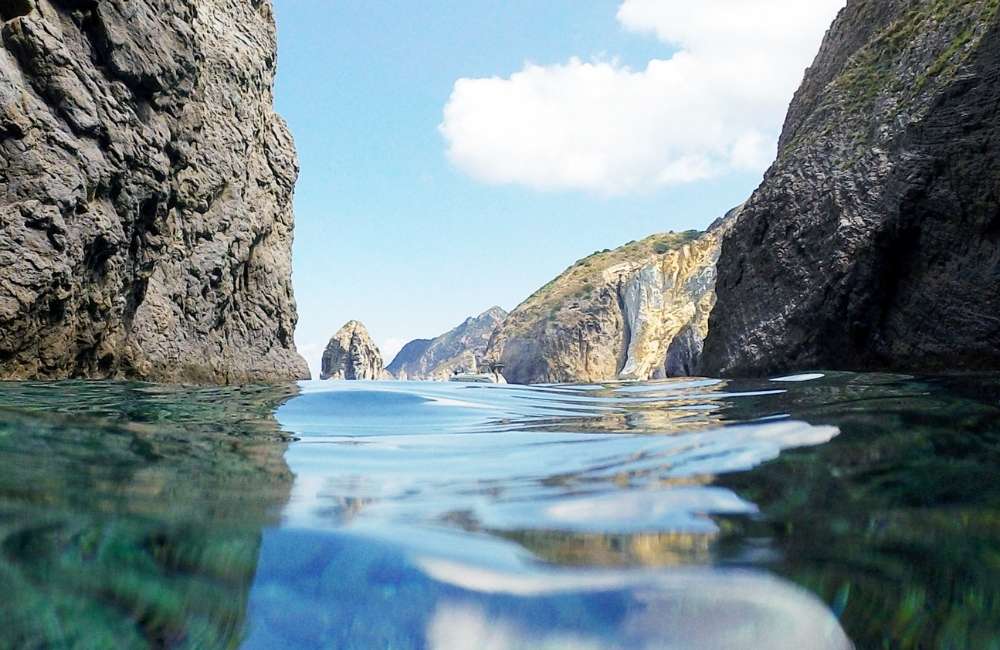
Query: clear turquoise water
{"points": [[818, 512]]}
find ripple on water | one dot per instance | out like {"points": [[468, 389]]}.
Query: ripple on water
{"points": [[467, 489], [789, 513]]}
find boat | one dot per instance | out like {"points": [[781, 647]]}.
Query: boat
{"points": [[473, 378], [494, 376]]}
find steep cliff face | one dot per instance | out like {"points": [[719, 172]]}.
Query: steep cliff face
{"points": [[638, 312], [145, 193], [351, 354], [463, 348], [874, 241]]}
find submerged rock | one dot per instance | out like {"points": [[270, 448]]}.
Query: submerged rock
{"points": [[637, 312], [145, 193], [462, 348], [874, 240], [351, 354]]}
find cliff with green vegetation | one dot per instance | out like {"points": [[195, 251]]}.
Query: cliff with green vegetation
{"points": [[637, 312], [874, 240]]}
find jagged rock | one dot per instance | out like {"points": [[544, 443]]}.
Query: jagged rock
{"points": [[145, 193], [874, 241], [638, 312], [462, 348], [351, 354]]}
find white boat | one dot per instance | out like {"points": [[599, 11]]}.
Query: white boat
{"points": [[474, 378], [492, 377]]}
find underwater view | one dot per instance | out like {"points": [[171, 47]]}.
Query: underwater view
{"points": [[813, 511]]}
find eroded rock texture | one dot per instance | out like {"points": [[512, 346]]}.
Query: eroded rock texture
{"points": [[637, 312], [461, 348], [351, 354], [874, 241], [145, 193]]}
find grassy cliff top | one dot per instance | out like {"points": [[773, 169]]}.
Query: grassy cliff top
{"points": [[580, 280], [893, 77]]}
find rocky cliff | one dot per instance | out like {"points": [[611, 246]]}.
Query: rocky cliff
{"points": [[874, 241], [145, 192], [408, 355], [351, 354], [637, 312], [463, 348]]}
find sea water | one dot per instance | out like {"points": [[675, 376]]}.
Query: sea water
{"points": [[821, 510]]}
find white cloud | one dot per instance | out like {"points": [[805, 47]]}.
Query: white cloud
{"points": [[714, 107]]}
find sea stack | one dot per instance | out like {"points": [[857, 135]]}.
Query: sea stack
{"points": [[351, 354], [145, 193]]}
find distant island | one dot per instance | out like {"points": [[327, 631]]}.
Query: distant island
{"points": [[351, 353], [463, 348]]}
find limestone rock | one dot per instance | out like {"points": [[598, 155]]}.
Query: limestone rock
{"points": [[462, 348], [638, 312], [145, 193], [874, 241], [351, 354]]}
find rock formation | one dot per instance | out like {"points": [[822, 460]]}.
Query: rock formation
{"points": [[637, 312], [145, 193], [463, 348], [351, 354], [409, 356], [874, 241]]}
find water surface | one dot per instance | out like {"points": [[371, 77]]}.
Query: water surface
{"points": [[812, 511]]}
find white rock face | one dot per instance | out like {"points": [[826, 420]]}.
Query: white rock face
{"points": [[670, 302], [638, 312]]}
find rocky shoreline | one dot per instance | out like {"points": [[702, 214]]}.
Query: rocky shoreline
{"points": [[146, 216]]}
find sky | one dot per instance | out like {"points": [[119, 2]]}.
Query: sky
{"points": [[459, 155]]}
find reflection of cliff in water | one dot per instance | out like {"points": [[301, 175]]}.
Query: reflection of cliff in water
{"points": [[131, 514], [659, 549]]}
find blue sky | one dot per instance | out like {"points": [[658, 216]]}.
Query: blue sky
{"points": [[395, 231]]}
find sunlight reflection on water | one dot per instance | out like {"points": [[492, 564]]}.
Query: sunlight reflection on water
{"points": [[443, 479]]}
